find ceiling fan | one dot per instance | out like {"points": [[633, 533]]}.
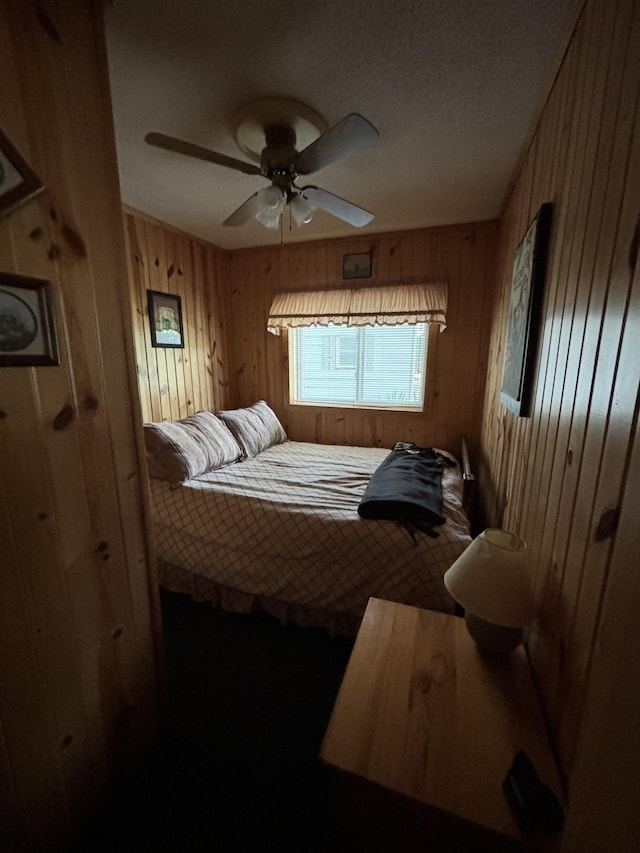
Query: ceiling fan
{"points": [[269, 131]]}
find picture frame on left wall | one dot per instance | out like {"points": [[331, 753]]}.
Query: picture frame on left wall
{"points": [[165, 319], [27, 323], [18, 182]]}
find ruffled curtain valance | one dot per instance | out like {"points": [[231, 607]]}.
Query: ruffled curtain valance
{"points": [[367, 306]]}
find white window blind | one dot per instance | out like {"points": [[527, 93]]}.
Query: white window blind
{"points": [[363, 366]]}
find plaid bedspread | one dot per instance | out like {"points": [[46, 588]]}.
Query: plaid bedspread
{"points": [[285, 526]]}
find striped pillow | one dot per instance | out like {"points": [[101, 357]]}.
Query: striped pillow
{"points": [[255, 428], [180, 450]]}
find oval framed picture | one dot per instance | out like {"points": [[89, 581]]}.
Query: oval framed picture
{"points": [[27, 326]]}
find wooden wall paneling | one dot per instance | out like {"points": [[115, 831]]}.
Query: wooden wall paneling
{"points": [[28, 710], [197, 273], [487, 286], [276, 359], [567, 132], [212, 342], [471, 350], [106, 401], [163, 258], [216, 330], [612, 397], [255, 327], [25, 714], [576, 445], [451, 340], [561, 101], [403, 255], [603, 813], [72, 502], [241, 377], [204, 353], [165, 359], [586, 227], [44, 591], [139, 323], [180, 357], [520, 428], [153, 354], [382, 258], [232, 305], [212, 329], [562, 276], [540, 188], [298, 270], [109, 399], [68, 592], [179, 283], [573, 347], [546, 570], [261, 268], [8, 791], [425, 255], [317, 262]]}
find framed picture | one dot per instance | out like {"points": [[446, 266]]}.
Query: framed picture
{"points": [[27, 327], [356, 266], [165, 319], [527, 286], [17, 182]]}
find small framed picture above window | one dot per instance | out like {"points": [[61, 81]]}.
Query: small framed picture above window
{"points": [[357, 265], [165, 319]]}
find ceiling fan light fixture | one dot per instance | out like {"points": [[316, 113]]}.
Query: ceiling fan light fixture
{"points": [[302, 210], [271, 204]]}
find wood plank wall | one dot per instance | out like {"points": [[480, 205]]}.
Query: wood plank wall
{"points": [[462, 256], [558, 477], [78, 603], [174, 383]]}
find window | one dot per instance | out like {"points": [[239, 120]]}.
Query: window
{"points": [[382, 367]]}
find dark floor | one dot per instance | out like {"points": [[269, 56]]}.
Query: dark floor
{"points": [[238, 768]]}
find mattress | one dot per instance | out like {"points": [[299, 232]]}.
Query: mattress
{"points": [[283, 527]]}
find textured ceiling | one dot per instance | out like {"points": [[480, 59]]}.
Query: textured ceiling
{"points": [[450, 84]]}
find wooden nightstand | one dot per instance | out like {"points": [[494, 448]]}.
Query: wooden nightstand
{"points": [[426, 728]]}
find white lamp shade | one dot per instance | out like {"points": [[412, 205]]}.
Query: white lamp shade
{"points": [[490, 579]]}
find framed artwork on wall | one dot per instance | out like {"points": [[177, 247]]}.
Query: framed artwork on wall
{"points": [[357, 265], [165, 319], [27, 326], [17, 181], [527, 287]]}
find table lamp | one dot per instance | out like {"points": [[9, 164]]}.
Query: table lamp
{"points": [[489, 579]]}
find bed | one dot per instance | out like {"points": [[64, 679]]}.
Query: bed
{"points": [[275, 526]]}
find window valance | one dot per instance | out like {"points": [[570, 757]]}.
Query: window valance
{"points": [[367, 306]]}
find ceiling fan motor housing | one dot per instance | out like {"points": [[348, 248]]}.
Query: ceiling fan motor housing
{"points": [[276, 161]]}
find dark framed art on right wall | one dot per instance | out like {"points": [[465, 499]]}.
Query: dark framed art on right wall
{"points": [[527, 290]]}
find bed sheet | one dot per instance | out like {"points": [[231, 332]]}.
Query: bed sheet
{"points": [[284, 527]]}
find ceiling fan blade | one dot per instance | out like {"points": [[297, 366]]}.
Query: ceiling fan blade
{"points": [[245, 212], [353, 133], [170, 143], [337, 206]]}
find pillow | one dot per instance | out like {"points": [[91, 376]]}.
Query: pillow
{"points": [[254, 428], [180, 450]]}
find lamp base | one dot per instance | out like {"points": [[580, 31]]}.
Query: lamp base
{"points": [[492, 638]]}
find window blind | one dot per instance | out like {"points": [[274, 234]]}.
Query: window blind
{"points": [[365, 366]]}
